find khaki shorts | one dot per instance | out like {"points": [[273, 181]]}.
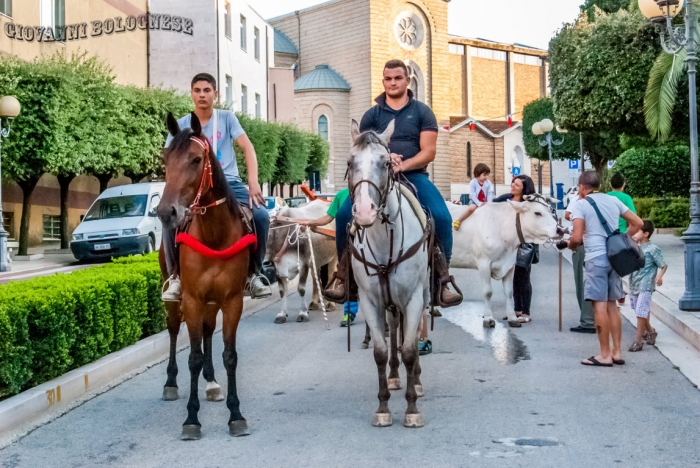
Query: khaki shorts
{"points": [[600, 282]]}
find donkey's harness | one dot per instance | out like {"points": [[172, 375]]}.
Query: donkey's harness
{"points": [[383, 270]]}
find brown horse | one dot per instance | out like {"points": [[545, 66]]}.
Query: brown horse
{"points": [[196, 194]]}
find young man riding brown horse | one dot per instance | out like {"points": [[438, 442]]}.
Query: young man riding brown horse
{"points": [[228, 130], [413, 147]]}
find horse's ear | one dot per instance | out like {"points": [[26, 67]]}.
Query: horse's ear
{"points": [[173, 126], [529, 197], [552, 200], [354, 130], [389, 131], [195, 124]]}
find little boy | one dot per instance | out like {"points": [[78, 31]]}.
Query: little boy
{"points": [[480, 192], [642, 285], [349, 308]]}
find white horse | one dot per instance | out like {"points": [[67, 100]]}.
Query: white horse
{"points": [[391, 274]]}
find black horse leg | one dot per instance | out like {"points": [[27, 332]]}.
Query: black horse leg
{"points": [[368, 337], [192, 429], [237, 425], [170, 388], [394, 378], [213, 390]]}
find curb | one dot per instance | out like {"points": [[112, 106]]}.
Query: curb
{"points": [[55, 397], [685, 325]]}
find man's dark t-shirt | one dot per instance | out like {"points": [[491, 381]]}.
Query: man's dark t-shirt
{"points": [[412, 119]]}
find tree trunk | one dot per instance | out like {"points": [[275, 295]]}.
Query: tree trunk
{"points": [[27, 187], [281, 187], [291, 190], [104, 181], [64, 182]]}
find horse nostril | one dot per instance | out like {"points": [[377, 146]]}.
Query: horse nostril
{"points": [[373, 206], [173, 212]]}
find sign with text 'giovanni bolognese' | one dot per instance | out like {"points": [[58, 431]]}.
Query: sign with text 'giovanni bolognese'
{"points": [[119, 24]]}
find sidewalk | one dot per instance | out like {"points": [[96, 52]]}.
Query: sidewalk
{"points": [[54, 261]]}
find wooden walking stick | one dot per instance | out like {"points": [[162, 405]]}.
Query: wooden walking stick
{"points": [[560, 304]]}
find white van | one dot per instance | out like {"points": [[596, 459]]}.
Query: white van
{"points": [[122, 221]]}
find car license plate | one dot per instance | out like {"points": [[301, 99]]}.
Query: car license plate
{"points": [[102, 246]]}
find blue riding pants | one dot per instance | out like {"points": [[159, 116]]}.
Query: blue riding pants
{"points": [[428, 196], [261, 220]]}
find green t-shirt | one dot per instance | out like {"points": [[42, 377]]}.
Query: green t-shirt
{"points": [[627, 201], [338, 201]]}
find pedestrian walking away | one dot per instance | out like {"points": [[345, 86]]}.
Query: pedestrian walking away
{"points": [[617, 182], [225, 125], [602, 285], [642, 283]]}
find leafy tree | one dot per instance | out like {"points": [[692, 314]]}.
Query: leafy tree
{"points": [[37, 131], [318, 155], [543, 109], [593, 96], [265, 137], [294, 151], [607, 6], [642, 168]]}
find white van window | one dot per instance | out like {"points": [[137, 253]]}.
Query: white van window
{"points": [[118, 207], [155, 199]]}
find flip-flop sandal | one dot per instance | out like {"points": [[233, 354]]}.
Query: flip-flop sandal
{"points": [[517, 316], [524, 319], [619, 362], [592, 361]]}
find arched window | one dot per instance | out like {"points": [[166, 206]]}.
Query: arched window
{"points": [[414, 88], [469, 160], [323, 127]]}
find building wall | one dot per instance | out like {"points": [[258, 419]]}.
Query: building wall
{"points": [[528, 86], [281, 95], [125, 52], [336, 106], [285, 60], [240, 63], [457, 84], [488, 82], [335, 34], [176, 58]]}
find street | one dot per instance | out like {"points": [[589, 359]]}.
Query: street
{"points": [[501, 397]]}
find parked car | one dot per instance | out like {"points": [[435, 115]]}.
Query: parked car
{"points": [[571, 194], [122, 221], [274, 204]]}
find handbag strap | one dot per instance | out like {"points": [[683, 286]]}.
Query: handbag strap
{"points": [[519, 228], [215, 138], [602, 219]]}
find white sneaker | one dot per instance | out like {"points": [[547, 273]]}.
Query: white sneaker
{"points": [[172, 293], [259, 287]]}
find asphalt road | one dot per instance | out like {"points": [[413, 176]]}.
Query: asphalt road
{"points": [[499, 397]]}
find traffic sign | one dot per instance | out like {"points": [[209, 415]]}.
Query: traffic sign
{"points": [[573, 164], [611, 164], [516, 171]]}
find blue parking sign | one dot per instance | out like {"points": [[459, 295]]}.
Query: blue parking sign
{"points": [[573, 164]]}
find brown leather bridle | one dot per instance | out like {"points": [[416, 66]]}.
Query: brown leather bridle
{"points": [[207, 173]]}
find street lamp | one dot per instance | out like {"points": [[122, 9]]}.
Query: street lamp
{"points": [[545, 127], [9, 109], [661, 13]]}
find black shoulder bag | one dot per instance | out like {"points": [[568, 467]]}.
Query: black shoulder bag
{"points": [[527, 253], [623, 252]]}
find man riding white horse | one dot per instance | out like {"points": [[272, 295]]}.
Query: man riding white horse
{"points": [[413, 147]]}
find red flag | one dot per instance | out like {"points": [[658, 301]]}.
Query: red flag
{"points": [[472, 126], [510, 121]]}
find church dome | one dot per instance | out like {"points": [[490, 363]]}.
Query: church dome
{"points": [[283, 44], [322, 78]]}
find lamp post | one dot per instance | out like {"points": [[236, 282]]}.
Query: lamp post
{"points": [[545, 127], [9, 109], [661, 13]]}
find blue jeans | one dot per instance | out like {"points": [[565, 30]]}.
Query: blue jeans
{"points": [[261, 220], [350, 308], [428, 196]]}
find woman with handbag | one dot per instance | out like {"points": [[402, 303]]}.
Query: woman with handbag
{"points": [[528, 254]]}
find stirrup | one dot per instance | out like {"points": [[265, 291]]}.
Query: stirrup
{"points": [[327, 294], [458, 292]]}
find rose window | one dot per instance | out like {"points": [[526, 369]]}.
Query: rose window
{"points": [[407, 31]]}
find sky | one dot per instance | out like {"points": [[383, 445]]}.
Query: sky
{"points": [[529, 22]]}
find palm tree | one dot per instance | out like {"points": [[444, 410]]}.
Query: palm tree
{"points": [[662, 88]]}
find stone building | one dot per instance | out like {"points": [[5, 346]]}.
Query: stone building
{"points": [[339, 48]]}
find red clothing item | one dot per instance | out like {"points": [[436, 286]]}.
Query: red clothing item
{"points": [[482, 195]]}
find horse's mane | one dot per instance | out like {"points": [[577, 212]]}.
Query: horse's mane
{"points": [[367, 138], [181, 143]]}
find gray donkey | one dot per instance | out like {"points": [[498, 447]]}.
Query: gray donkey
{"points": [[390, 264]]}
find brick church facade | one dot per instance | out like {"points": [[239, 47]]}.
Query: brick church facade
{"points": [[339, 48]]}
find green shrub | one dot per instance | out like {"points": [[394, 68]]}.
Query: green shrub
{"points": [[656, 171], [52, 324], [644, 206], [675, 214]]}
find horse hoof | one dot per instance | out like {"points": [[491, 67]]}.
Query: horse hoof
{"points": [[191, 432], [382, 420], [514, 324], [330, 307], [238, 428], [303, 317], [314, 306], [170, 393], [489, 323], [365, 345], [419, 391], [394, 384], [281, 318], [214, 392], [413, 420]]}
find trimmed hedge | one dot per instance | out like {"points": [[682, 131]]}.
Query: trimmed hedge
{"points": [[664, 212], [52, 324]]}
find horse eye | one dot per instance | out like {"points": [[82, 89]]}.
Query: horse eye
{"points": [[197, 161]]}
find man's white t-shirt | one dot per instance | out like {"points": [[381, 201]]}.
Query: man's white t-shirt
{"points": [[594, 235]]}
